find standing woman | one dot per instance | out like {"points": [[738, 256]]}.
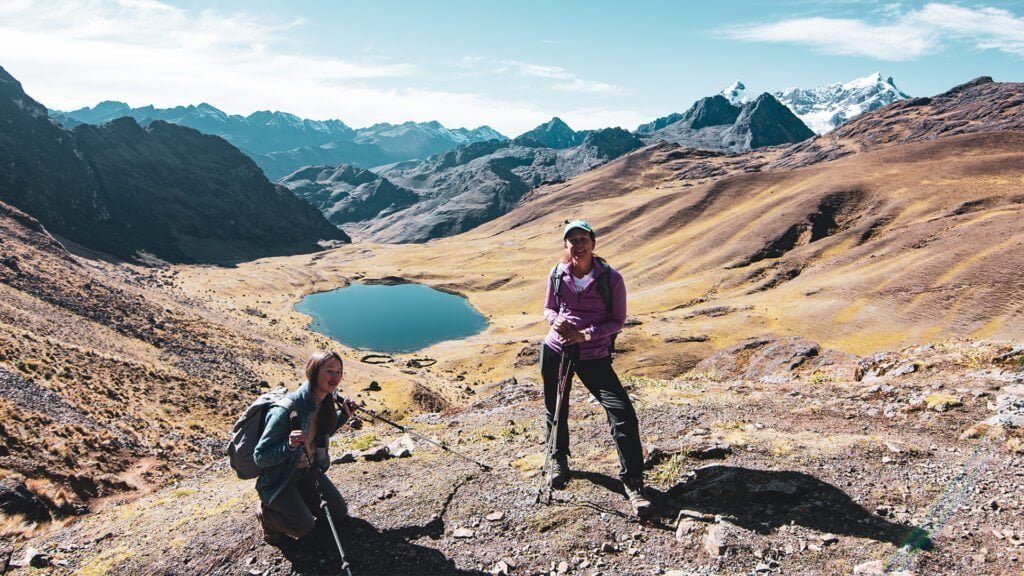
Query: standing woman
{"points": [[579, 342], [303, 421]]}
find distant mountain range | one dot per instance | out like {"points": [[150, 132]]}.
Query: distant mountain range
{"points": [[458, 190], [281, 143], [162, 190], [829, 106], [429, 181]]}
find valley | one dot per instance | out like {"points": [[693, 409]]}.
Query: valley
{"points": [[822, 342]]}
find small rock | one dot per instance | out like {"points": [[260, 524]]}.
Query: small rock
{"points": [[500, 568], [904, 369], [684, 527], [563, 567], [376, 455], [495, 516], [463, 533], [828, 539], [40, 560], [373, 387], [402, 448], [609, 548], [714, 541], [872, 568], [345, 458], [684, 513]]}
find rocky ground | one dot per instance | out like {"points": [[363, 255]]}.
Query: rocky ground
{"points": [[773, 457]]}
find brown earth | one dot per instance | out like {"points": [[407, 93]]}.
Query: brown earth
{"points": [[121, 380]]}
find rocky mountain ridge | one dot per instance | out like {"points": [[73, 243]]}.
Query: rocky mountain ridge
{"points": [[715, 123], [280, 142], [826, 361], [458, 189], [163, 191], [826, 107]]}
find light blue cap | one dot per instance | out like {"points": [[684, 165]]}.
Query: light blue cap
{"points": [[581, 224]]}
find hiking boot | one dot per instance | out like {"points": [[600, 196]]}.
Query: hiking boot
{"points": [[560, 471], [271, 536], [637, 496]]}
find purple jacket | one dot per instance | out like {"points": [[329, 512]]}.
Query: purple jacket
{"points": [[586, 310]]}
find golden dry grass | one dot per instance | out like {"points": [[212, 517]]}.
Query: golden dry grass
{"points": [[905, 262]]}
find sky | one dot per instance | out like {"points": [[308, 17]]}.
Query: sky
{"points": [[510, 65]]}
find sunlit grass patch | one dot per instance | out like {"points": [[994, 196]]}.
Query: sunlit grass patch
{"points": [[819, 377], [104, 562], [529, 463], [668, 472], [1015, 440], [361, 442], [507, 433], [701, 376]]}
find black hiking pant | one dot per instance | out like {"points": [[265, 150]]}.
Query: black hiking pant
{"points": [[601, 380]]}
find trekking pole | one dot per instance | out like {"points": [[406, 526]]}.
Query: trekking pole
{"points": [[323, 501], [564, 369], [415, 434], [327, 512]]}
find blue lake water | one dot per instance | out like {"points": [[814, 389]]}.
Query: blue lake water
{"points": [[402, 318]]}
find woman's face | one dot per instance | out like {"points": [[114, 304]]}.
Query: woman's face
{"points": [[579, 244], [329, 376]]}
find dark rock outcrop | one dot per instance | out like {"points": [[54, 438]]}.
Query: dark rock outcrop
{"points": [[714, 123], [348, 194], [163, 190], [553, 134], [16, 498], [767, 122]]}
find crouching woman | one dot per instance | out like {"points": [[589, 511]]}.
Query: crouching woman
{"points": [[302, 422]]}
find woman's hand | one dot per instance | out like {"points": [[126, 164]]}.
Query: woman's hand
{"points": [[349, 407], [560, 324], [296, 439], [573, 336]]}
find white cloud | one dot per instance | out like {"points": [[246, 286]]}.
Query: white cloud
{"points": [[70, 54], [567, 81], [906, 35]]}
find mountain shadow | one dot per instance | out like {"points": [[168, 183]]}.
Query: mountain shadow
{"points": [[763, 500]]}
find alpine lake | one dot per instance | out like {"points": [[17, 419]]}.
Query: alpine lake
{"points": [[391, 318]]}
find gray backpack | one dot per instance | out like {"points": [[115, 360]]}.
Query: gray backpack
{"points": [[247, 431]]}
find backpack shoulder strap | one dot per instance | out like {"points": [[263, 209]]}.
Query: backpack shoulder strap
{"points": [[556, 282], [604, 286]]}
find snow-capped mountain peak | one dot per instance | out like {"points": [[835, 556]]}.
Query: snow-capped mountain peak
{"points": [[830, 105], [736, 93]]}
